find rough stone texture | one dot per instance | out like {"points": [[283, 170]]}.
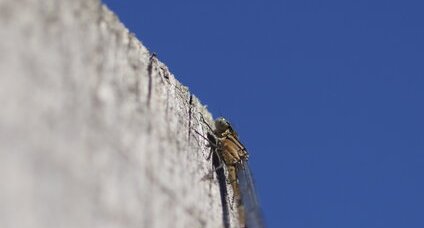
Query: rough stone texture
{"points": [[93, 133]]}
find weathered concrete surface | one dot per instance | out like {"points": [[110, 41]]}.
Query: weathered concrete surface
{"points": [[93, 133]]}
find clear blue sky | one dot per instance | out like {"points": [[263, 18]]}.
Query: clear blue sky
{"points": [[327, 96]]}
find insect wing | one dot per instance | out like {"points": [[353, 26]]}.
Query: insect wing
{"points": [[252, 210]]}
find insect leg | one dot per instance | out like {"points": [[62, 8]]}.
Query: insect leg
{"points": [[210, 141], [213, 144], [209, 175], [204, 121], [221, 163]]}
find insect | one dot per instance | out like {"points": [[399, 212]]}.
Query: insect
{"points": [[225, 142]]}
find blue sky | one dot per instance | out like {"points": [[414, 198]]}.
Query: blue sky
{"points": [[327, 96]]}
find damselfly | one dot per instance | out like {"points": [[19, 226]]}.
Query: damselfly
{"points": [[233, 154]]}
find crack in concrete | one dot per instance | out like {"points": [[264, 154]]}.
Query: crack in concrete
{"points": [[149, 72]]}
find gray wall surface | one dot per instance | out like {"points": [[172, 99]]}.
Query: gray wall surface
{"points": [[94, 132]]}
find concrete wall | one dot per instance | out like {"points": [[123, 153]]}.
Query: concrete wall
{"points": [[94, 132]]}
